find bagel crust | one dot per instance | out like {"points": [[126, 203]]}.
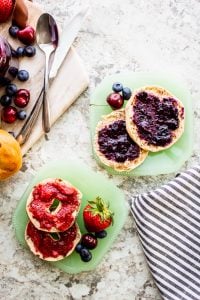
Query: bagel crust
{"points": [[46, 247], [133, 129], [42, 197], [127, 165]]}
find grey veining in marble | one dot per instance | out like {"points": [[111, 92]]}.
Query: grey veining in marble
{"points": [[118, 35]]}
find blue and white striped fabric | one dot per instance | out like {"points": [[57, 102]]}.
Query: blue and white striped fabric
{"points": [[168, 223]]}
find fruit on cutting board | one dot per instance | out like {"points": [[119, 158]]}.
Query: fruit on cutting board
{"points": [[97, 216], [26, 35], [9, 114], [17, 9], [29, 51], [20, 52], [6, 9], [23, 75], [11, 89], [22, 98], [21, 115], [20, 14], [13, 30], [7, 62], [6, 100], [10, 155]]}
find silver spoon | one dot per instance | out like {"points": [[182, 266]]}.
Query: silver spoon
{"points": [[47, 40]]}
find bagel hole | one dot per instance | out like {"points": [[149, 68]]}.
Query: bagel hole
{"points": [[54, 205], [55, 236]]}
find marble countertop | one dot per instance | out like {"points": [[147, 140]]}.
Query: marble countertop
{"points": [[135, 35]]}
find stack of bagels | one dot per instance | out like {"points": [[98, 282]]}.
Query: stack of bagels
{"points": [[52, 232]]}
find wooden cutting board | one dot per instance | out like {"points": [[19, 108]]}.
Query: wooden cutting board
{"points": [[69, 83]]}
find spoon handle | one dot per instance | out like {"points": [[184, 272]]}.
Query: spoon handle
{"points": [[46, 108]]}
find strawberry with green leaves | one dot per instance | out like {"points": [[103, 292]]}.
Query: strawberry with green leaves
{"points": [[97, 216]]}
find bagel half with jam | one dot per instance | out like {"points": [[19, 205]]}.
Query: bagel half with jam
{"points": [[53, 205], [52, 246], [113, 145], [154, 118]]}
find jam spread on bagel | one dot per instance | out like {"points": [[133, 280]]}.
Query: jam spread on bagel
{"points": [[47, 245], [43, 197], [115, 143], [156, 118]]}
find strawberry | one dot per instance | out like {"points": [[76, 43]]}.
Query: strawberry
{"points": [[6, 8], [97, 215]]}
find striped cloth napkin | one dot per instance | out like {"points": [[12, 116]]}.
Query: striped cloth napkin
{"points": [[168, 223]]}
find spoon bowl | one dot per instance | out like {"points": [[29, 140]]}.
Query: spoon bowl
{"points": [[47, 40]]}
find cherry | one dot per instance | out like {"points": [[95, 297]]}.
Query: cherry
{"points": [[9, 114], [115, 100], [26, 35], [22, 98], [89, 241]]}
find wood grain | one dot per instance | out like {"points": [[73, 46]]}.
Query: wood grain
{"points": [[69, 83]]}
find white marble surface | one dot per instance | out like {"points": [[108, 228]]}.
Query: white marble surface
{"points": [[118, 35]]}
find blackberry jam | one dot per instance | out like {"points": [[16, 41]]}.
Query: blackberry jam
{"points": [[156, 120], [115, 143], [8, 63]]}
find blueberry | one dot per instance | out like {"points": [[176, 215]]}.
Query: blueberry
{"points": [[101, 234], [23, 75], [21, 115], [13, 71], [4, 81], [78, 248], [85, 254], [14, 53], [29, 51], [13, 30], [11, 89], [5, 100], [117, 87], [126, 93], [20, 51]]}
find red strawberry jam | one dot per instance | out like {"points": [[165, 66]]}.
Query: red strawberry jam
{"points": [[43, 197], [155, 119], [47, 245], [115, 143]]}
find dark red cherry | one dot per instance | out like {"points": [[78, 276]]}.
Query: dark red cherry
{"points": [[115, 100], [26, 35], [22, 98], [9, 114], [89, 241]]}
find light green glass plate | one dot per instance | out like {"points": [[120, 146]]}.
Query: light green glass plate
{"points": [[91, 185], [163, 162]]}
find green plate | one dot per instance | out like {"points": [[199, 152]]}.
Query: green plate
{"points": [[163, 162], [91, 185]]}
